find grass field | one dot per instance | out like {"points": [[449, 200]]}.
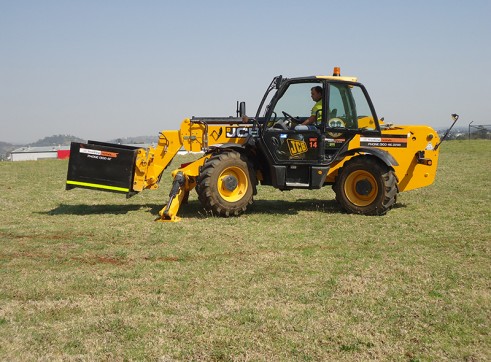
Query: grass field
{"points": [[88, 275]]}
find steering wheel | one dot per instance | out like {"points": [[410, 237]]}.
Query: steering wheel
{"points": [[282, 124], [294, 119]]}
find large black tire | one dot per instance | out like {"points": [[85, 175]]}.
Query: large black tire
{"points": [[367, 186], [226, 184]]}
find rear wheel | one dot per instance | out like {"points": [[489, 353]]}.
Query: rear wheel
{"points": [[366, 186], [226, 184]]}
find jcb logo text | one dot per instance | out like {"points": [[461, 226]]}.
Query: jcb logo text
{"points": [[296, 147], [237, 132]]}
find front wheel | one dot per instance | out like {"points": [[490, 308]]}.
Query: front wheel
{"points": [[226, 184], [366, 186]]}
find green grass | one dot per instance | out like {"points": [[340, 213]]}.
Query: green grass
{"points": [[88, 275]]}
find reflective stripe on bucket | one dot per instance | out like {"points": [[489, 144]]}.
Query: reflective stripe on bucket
{"points": [[105, 187]]}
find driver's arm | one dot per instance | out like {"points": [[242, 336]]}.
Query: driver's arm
{"points": [[309, 120]]}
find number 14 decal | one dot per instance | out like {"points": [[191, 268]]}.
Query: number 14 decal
{"points": [[312, 142]]}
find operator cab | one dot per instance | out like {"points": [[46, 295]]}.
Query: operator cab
{"points": [[343, 111]]}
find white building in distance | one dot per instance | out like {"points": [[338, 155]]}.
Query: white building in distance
{"points": [[36, 153]]}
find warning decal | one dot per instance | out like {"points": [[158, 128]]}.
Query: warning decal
{"points": [[103, 155], [395, 140]]}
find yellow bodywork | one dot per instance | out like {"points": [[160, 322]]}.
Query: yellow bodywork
{"points": [[189, 173], [403, 143], [193, 136]]}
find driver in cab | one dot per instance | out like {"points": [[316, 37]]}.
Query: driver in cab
{"points": [[316, 113]]}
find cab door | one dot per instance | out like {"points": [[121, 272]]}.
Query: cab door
{"points": [[283, 142], [296, 157], [349, 113]]}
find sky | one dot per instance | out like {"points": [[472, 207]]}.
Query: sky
{"points": [[110, 69]]}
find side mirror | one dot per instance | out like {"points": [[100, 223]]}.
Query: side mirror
{"points": [[242, 109], [278, 81], [455, 117]]}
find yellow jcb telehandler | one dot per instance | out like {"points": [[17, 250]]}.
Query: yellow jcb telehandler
{"points": [[366, 161]]}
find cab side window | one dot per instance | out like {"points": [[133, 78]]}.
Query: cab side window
{"points": [[349, 107], [342, 108]]}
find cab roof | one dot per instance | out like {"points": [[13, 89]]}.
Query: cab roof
{"points": [[337, 78]]}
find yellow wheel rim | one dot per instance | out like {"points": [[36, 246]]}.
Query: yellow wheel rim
{"points": [[361, 188], [232, 184]]}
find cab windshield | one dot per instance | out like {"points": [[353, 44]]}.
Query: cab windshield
{"points": [[268, 96]]}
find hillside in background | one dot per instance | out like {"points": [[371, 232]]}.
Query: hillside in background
{"points": [[135, 140], [56, 140], [6, 148]]}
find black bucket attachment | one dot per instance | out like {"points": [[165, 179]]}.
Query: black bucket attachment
{"points": [[102, 166]]}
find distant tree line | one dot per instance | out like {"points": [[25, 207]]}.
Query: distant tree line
{"points": [[471, 132], [479, 131], [56, 140]]}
